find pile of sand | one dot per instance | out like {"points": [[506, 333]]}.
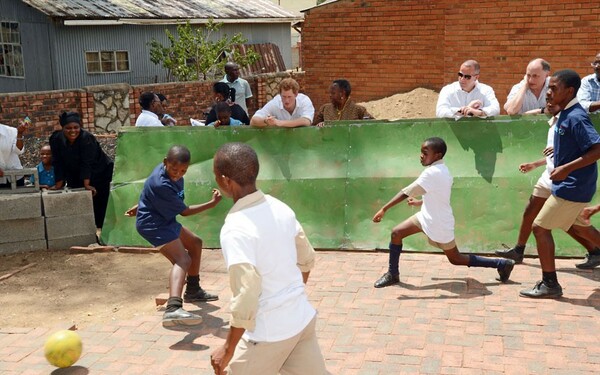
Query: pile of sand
{"points": [[419, 103]]}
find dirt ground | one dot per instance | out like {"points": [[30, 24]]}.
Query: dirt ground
{"points": [[79, 288], [93, 288]]}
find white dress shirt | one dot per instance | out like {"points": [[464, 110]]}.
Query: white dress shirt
{"points": [[148, 118], [452, 98], [9, 152], [304, 108], [530, 101]]}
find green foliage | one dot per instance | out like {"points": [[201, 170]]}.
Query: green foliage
{"points": [[193, 54]]}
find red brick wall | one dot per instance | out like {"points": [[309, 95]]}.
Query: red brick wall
{"points": [[388, 46]]}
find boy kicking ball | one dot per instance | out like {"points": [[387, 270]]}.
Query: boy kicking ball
{"points": [[160, 202], [435, 218]]}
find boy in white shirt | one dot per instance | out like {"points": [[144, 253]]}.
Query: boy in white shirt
{"points": [[435, 218], [269, 259]]}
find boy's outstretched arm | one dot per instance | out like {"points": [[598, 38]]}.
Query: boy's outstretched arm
{"points": [[591, 156], [197, 208], [528, 167], [394, 201]]}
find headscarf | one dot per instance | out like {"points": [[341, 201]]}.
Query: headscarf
{"points": [[68, 117]]}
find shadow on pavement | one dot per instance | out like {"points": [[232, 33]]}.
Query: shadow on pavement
{"points": [[210, 325], [461, 288]]}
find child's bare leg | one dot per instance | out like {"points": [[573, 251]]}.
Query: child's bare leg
{"points": [[193, 291], [193, 244], [456, 257], [176, 254], [400, 231]]}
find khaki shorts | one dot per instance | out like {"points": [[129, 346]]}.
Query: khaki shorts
{"points": [[541, 191], [444, 246], [560, 213]]}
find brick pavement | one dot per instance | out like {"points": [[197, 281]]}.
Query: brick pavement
{"points": [[441, 320]]}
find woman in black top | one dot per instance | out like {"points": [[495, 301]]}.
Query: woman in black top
{"points": [[79, 161], [221, 91]]}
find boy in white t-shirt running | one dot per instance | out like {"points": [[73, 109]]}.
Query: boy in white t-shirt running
{"points": [[435, 218]]}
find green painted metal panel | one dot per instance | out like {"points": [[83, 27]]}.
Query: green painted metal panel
{"points": [[336, 178]]}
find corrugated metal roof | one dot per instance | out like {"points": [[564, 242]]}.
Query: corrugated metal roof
{"points": [[162, 9]]}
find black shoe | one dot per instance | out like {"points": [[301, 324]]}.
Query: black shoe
{"points": [[180, 317], [199, 296], [505, 270], [591, 261], [541, 290], [386, 280], [511, 254]]}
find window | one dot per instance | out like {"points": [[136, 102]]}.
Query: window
{"points": [[107, 61], [11, 54]]}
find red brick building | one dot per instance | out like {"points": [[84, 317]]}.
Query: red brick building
{"points": [[388, 46]]}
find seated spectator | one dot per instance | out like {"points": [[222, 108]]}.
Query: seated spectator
{"points": [[589, 92], [221, 91], [45, 169], [151, 108], [529, 95], [224, 116], [288, 109], [165, 118], [467, 96], [341, 107], [79, 161], [11, 146]]}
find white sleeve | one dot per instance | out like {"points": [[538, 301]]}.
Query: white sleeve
{"points": [[248, 90], [443, 107], [269, 109], [238, 247], [584, 95], [426, 180], [491, 105], [307, 109]]}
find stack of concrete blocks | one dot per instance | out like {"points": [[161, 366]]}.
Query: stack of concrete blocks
{"points": [[69, 218], [21, 223]]}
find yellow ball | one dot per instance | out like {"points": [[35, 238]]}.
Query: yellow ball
{"points": [[63, 348]]}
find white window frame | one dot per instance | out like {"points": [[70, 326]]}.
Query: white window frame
{"points": [[99, 61]]}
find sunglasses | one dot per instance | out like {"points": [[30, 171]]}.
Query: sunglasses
{"points": [[465, 76]]}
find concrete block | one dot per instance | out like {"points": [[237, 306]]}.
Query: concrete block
{"points": [[22, 246], [22, 230], [71, 226], [20, 206], [68, 242], [161, 299], [67, 203]]}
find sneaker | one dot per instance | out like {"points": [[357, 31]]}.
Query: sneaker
{"points": [[541, 290], [386, 280], [505, 270], [511, 254], [199, 296], [591, 261], [180, 317]]}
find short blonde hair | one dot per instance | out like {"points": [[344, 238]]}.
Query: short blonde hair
{"points": [[289, 84]]}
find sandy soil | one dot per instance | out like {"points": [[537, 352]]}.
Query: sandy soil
{"points": [[419, 103], [100, 287]]}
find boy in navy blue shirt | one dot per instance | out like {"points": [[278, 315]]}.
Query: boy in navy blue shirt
{"points": [[576, 149], [160, 202]]}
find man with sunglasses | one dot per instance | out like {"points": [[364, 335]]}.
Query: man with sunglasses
{"points": [[589, 92], [467, 96], [529, 95]]}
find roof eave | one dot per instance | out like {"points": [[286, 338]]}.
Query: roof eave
{"points": [[154, 21]]}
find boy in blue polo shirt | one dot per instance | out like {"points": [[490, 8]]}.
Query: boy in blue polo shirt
{"points": [[576, 150], [160, 202]]}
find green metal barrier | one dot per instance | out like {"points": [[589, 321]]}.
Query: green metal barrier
{"points": [[336, 178]]}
